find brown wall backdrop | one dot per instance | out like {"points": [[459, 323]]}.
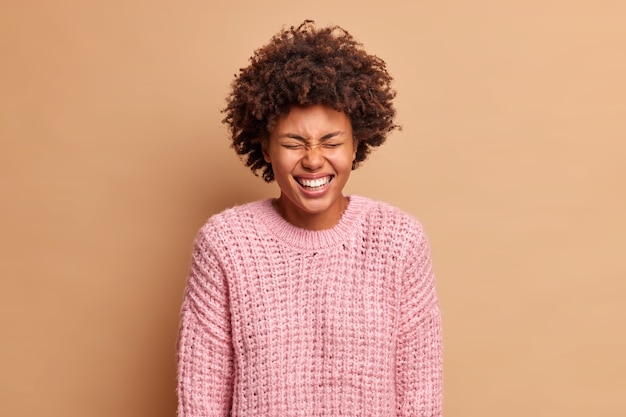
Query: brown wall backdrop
{"points": [[112, 155]]}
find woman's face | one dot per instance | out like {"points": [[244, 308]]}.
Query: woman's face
{"points": [[311, 150]]}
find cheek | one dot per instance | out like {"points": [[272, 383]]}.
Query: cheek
{"points": [[345, 159], [283, 161]]}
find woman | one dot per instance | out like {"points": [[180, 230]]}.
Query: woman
{"points": [[313, 303]]}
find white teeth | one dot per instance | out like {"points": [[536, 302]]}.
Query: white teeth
{"points": [[315, 183]]}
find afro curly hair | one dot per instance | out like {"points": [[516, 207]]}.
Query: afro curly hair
{"points": [[302, 66]]}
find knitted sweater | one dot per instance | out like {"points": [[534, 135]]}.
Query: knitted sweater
{"points": [[279, 321]]}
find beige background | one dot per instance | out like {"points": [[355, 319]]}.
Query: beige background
{"points": [[112, 155]]}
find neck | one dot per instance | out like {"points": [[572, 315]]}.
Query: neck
{"points": [[311, 221]]}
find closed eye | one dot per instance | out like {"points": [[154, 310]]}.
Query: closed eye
{"points": [[293, 146], [332, 145]]}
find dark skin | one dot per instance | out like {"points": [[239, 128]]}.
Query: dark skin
{"points": [[312, 151], [305, 65]]}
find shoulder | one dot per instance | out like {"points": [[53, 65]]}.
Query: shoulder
{"points": [[384, 218], [238, 213], [232, 224]]}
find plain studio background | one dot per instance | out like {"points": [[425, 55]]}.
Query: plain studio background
{"points": [[512, 155]]}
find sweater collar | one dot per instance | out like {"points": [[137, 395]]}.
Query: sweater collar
{"points": [[297, 237]]}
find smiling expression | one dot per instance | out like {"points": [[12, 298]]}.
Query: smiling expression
{"points": [[311, 150]]}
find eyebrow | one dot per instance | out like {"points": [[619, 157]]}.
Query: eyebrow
{"points": [[300, 138]]}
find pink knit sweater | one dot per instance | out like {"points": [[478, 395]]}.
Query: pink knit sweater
{"points": [[279, 321]]}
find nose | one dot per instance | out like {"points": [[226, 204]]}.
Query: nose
{"points": [[313, 158]]}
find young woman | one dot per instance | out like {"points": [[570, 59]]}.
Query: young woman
{"points": [[314, 303]]}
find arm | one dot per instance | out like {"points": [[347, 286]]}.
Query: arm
{"points": [[419, 351], [205, 354]]}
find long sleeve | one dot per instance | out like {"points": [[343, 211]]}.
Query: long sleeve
{"points": [[419, 362], [205, 353]]}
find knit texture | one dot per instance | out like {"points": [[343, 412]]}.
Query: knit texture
{"points": [[279, 321]]}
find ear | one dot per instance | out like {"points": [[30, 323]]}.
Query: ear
{"points": [[265, 143], [355, 145]]}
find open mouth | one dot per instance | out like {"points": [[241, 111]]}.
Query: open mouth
{"points": [[314, 185]]}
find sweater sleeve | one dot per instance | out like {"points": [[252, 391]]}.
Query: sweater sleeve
{"points": [[205, 353], [419, 351]]}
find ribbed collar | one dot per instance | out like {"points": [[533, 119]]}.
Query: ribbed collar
{"points": [[304, 239]]}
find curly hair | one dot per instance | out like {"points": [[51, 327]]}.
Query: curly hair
{"points": [[303, 66]]}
